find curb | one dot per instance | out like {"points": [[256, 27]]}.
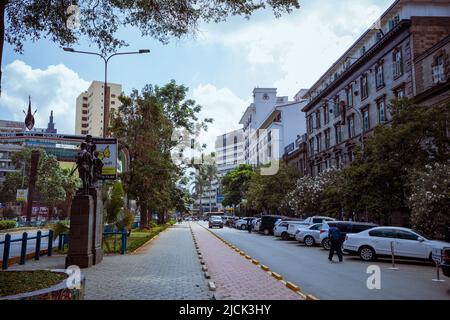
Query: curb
{"points": [[290, 285], [204, 268]]}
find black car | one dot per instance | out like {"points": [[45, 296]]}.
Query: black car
{"points": [[268, 223], [345, 227]]}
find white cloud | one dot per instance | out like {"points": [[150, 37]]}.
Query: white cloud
{"points": [[223, 106], [55, 88], [302, 45]]}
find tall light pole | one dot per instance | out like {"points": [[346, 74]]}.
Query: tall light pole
{"points": [[105, 92]]}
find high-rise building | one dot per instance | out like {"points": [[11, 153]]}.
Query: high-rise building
{"points": [[90, 114]]}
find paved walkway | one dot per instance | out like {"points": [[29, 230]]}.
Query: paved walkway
{"points": [[237, 278], [167, 268]]}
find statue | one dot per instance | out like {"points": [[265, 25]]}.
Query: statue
{"points": [[89, 165]]}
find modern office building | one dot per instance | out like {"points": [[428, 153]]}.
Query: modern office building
{"points": [[405, 54], [6, 165], [90, 114], [270, 124]]}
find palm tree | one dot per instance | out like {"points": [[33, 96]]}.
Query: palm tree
{"points": [[199, 183], [211, 174]]}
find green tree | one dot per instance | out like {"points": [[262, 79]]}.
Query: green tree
{"points": [[71, 183], [235, 184], [115, 203], [199, 183], [145, 124], [430, 199], [376, 185], [266, 192], [99, 21], [8, 191], [50, 182], [211, 174]]}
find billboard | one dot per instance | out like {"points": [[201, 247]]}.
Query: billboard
{"points": [[22, 195], [107, 149]]}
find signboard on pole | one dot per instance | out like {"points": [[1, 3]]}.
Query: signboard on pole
{"points": [[107, 149], [22, 195]]}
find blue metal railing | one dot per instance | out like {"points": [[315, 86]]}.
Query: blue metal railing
{"points": [[63, 240], [23, 250]]}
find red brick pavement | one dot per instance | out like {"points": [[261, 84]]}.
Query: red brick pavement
{"points": [[235, 277]]}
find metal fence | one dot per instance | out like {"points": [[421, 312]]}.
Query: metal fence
{"points": [[63, 240]]}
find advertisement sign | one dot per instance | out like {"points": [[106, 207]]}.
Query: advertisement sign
{"points": [[107, 149], [22, 195]]}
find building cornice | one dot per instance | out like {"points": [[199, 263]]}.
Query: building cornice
{"points": [[401, 26]]}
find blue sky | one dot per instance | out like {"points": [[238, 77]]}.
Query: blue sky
{"points": [[221, 64]]}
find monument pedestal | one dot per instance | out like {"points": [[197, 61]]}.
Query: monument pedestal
{"points": [[81, 232], [97, 229]]}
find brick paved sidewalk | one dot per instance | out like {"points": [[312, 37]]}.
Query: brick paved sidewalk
{"points": [[167, 268], [237, 278]]}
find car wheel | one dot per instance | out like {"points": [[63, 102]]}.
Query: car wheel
{"points": [[309, 241], [366, 253], [284, 236], [326, 244], [243, 227], [266, 232]]}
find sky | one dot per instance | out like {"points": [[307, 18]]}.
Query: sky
{"points": [[221, 64]]}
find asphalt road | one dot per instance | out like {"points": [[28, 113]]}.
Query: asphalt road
{"points": [[31, 244], [310, 269]]}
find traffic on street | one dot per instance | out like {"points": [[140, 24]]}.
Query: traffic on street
{"points": [[302, 259]]}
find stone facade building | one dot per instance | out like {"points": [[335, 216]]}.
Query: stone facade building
{"points": [[404, 55]]}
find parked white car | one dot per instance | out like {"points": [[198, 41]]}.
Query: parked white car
{"points": [[309, 235], [317, 219], [286, 229], [242, 223], [293, 226], [405, 243]]}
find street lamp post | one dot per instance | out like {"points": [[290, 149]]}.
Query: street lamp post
{"points": [[106, 60]]}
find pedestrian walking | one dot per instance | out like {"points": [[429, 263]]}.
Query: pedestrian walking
{"points": [[249, 225], [334, 234]]}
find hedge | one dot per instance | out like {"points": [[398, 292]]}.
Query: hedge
{"points": [[7, 224]]}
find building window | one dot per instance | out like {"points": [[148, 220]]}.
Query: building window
{"points": [[311, 146], [364, 87], [398, 63], [351, 126], [337, 160], [319, 142], [327, 138], [84, 118], [400, 92], [318, 119], [379, 75], [366, 119], [438, 70], [84, 112], [326, 113], [338, 133], [113, 102], [349, 94], [310, 124], [381, 106], [336, 110]]}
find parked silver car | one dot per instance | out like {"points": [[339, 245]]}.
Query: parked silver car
{"points": [[309, 235]]}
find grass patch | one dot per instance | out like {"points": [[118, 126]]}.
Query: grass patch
{"points": [[112, 243], [15, 282], [135, 240]]}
